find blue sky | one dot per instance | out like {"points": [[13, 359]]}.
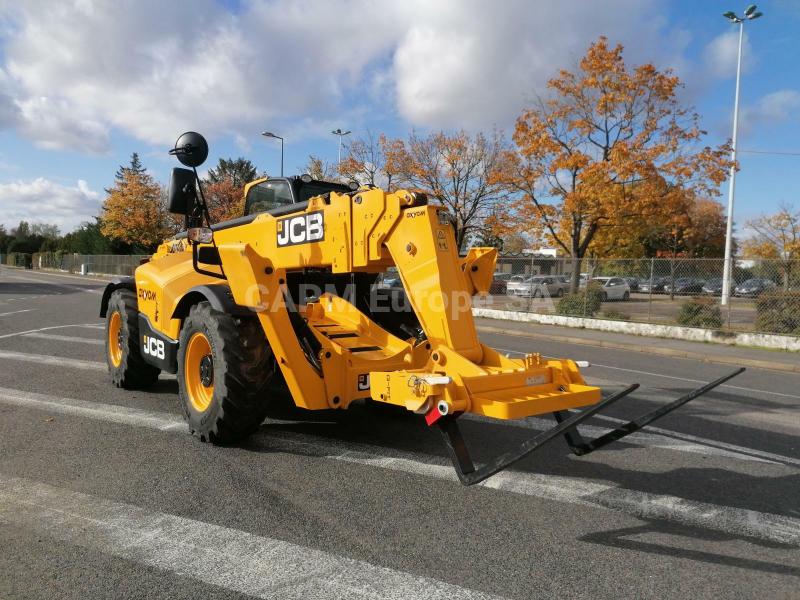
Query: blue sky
{"points": [[83, 84]]}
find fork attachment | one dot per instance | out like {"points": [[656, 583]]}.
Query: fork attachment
{"points": [[581, 447], [567, 426]]}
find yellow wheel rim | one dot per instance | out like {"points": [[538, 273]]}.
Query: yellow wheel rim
{"points": [[115, 339], [198, 369]]}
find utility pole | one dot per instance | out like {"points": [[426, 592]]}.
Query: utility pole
{"points": [[749, 14], [269, 134], [341, 134]]}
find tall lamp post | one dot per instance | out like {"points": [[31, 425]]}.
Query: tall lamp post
{"points": [[269, 134], [341, 134], [749, 14]]}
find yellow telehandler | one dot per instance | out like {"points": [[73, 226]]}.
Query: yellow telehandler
{"points": [[287, 295]]}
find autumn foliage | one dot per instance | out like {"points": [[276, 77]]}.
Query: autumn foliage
{"points": [[609, 149], [134, 211]]}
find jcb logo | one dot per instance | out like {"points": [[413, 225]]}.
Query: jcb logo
{"points": [[301, 229], [363, 382], [153, 346]]}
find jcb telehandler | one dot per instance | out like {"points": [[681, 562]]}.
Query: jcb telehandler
{"points": [[286, 295]]}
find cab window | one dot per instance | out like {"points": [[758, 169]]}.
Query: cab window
{"points": [[266, 196]]}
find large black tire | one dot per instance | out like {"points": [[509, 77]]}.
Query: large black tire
{"points": [[123, 356], [240, 371]]}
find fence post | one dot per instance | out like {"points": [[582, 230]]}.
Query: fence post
{"points": [[650, 295], [730, 299], [530, 291]]}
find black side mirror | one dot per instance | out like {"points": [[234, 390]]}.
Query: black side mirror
{"points": [[191, 149], [182, 191]]}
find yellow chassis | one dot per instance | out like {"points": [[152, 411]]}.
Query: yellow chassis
{"points": [[366, 232]]}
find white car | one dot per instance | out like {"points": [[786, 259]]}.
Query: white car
{"points": [[514, 282], [614, 288]]}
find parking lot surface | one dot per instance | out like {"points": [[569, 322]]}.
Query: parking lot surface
{"points": [[103, 493]]}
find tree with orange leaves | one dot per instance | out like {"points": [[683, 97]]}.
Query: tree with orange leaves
{"points": [[225, 199], [133, 212], [467, 174], [375, 161], [611, 146], [777, 237]]}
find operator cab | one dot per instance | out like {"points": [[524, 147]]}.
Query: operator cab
{"points": [[277, 192]]}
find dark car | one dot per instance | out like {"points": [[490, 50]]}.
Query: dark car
{"points": [[656, 287], [713, 287], [753, 287], [684, 286], [633, 283], [499, 285]]}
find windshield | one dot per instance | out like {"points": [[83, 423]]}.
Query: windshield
{"points": [[308, 190]]}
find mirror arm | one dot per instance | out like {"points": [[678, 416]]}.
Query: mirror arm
{"points": [[204, 212]]}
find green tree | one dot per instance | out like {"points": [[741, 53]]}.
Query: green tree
{"points": [[88, 239], [238, 172]]}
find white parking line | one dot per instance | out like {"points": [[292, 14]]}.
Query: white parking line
{"points": [[56, 284], [724, 385], [250, 564], [17, 333], [57, 361], [64, 338], [726, 519], [16, 312]]}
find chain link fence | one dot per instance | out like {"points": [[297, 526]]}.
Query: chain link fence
{"points": [[81, 264], [765, 294]]}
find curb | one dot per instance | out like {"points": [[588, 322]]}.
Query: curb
{"points": [[722, 360]]}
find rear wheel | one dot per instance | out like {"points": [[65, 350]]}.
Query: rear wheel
{"points": [[559, 292], [224, 370], [605, 297], [125, 363], [626, 296]]}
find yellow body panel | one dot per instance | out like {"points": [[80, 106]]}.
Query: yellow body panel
{"points": [[368, 231]]}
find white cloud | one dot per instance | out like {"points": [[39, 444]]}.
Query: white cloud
{"points": [[77, 70], [44, 201], [721, 53], [771, 109]]}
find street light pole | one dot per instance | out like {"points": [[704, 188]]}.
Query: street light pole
{"points": [[341, 134], [277, 137], [749, 14]]}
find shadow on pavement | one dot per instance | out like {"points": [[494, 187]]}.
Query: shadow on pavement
{"points": [[620, 538]]}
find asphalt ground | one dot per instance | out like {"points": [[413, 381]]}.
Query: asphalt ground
{"points": [[104, 494]]}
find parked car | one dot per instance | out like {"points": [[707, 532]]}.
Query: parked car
{"points": [[514, 282], [499, 283], [684, 286], [389, 279], [654, 287], [713, 287], [542, 286], [633, 283], [614, 288], [753, 287]]}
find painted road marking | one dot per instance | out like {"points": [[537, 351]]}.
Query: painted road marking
{"points": [[654, 437], [16, 312], [250, 564], [64, 338], [17, 333], [56, 361], [58, 285], [724, 385], [726, 519]]}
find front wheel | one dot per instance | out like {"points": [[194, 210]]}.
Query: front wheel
{"points": [[224, 369], [125, 363]]}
